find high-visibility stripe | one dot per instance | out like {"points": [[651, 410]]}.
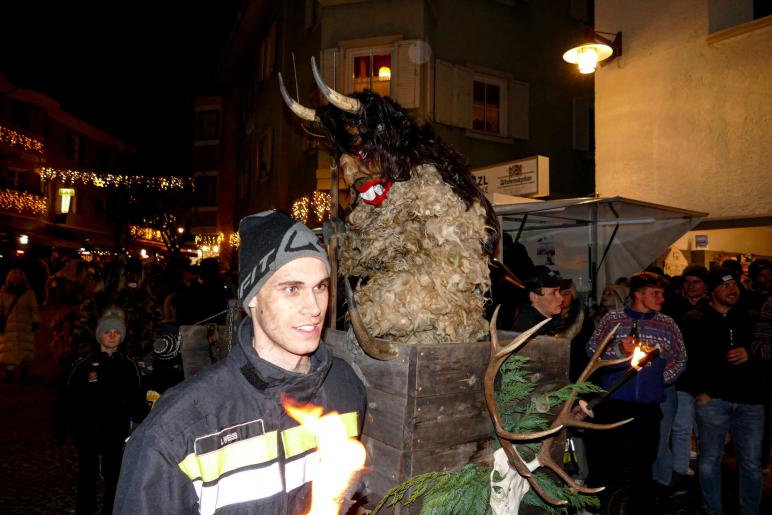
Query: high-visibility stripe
{"points": [[243, 486], [297, 440], [252, 451], [300, 471]]}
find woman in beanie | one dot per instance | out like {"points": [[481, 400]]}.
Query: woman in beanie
{"points": [[102, 397]]}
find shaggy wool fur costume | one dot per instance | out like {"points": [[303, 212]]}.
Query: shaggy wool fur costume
{"points": [[421, 257]]}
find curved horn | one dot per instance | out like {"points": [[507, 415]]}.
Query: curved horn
{"points": [[305, 113], [348, 104], [374, 348]]}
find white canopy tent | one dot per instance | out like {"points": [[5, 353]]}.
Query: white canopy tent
{"points": [[595, 240]]}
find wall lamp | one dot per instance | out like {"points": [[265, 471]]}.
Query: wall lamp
{"points": [[594, 49]]}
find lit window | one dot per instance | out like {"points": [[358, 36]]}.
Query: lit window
{"points": [[371, 69], [486, 107], [65, 200]]}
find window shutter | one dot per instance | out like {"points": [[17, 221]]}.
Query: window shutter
{"points": [[519, 110], [581, 120], [407, 89], [331, 65], [462, 89], [443, 92]]}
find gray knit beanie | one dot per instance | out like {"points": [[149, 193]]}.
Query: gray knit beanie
{"points": [[270, 240], [113, 319]]}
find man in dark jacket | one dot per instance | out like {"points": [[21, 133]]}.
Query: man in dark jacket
{"points": [[727, 382], [544, 299], [221, 442]]}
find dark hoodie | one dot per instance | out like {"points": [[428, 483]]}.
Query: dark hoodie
{"points": [[706, 333], [225, 428]]}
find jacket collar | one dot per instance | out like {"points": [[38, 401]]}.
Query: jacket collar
{"points": [[273, 380]]}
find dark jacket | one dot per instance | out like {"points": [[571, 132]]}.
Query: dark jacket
{"points": [[102, 395], [225, 428], [528, 317], [707, 340]]}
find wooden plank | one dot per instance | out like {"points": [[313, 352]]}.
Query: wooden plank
{"points": [[451, 368], [446, 420], [388, 376], [454, 457], [382, 466], [384, 419]]}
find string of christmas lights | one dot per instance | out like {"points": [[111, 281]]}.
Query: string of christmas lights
{"points": [[319, 203], [106, 180], [145, 233], [22, 202], [209, 240], [16, 139], [234, 240]]}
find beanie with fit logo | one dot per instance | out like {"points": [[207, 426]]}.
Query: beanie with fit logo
{"points": [[270, 240]]}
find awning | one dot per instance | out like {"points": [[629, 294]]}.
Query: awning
{"points": [[595, 240]]}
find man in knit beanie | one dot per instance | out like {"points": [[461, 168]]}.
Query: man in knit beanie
{"points": [[221, 441]]}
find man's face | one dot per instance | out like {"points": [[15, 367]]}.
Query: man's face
{"points": [[649, 298], [288, 312], [548, 303], [727, 293], [110, 340], [694, 287], [764, 279], [566, 298]]}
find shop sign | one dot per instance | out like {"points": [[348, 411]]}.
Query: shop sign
{"points": [[529, 177]]}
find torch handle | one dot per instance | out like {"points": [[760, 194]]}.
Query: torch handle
{"points": [[630, 372]]}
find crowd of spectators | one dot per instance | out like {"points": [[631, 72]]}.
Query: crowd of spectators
{"points": [[707, 389]]}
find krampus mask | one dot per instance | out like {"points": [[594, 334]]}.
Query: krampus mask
{"points": [[422, 230]]}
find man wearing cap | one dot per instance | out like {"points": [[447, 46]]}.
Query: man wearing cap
{"points": [[102, 396], [221, 442], [544, 298], [728, 387], [694, 292], [640, 397]]}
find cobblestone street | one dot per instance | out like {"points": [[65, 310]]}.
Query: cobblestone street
{"points": [[36, 476]]}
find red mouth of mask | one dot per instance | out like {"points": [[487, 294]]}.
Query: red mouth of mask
{"points": [[374, 192]]}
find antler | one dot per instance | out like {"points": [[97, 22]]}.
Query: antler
{"points": [[564, 419]]}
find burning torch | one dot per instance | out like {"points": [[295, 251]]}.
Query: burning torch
{"points": [[642, 356]]}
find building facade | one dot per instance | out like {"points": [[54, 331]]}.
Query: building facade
{"points": [[46, 191], [487, 74], [684, 117]]}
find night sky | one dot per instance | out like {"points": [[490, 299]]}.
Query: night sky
{"points": [[129, 68]]}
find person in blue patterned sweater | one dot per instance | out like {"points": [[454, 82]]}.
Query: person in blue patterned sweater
{"points": [[635, 444]]}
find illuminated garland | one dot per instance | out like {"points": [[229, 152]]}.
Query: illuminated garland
{"points": [[319, 202], [23, 202], [16, 139], [106, 180], [145, 233], [234, 240], [209, 240]]}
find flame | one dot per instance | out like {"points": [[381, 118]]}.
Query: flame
{"points": [[638, 355], [337, 458]]}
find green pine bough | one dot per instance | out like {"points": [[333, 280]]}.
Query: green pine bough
{"points": [[468, 490]]}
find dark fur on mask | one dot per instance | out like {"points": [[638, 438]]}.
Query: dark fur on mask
{"points": [[383, 133]]}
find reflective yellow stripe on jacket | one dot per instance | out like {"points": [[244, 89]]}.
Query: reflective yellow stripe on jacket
{"points": [[257, 450]]}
